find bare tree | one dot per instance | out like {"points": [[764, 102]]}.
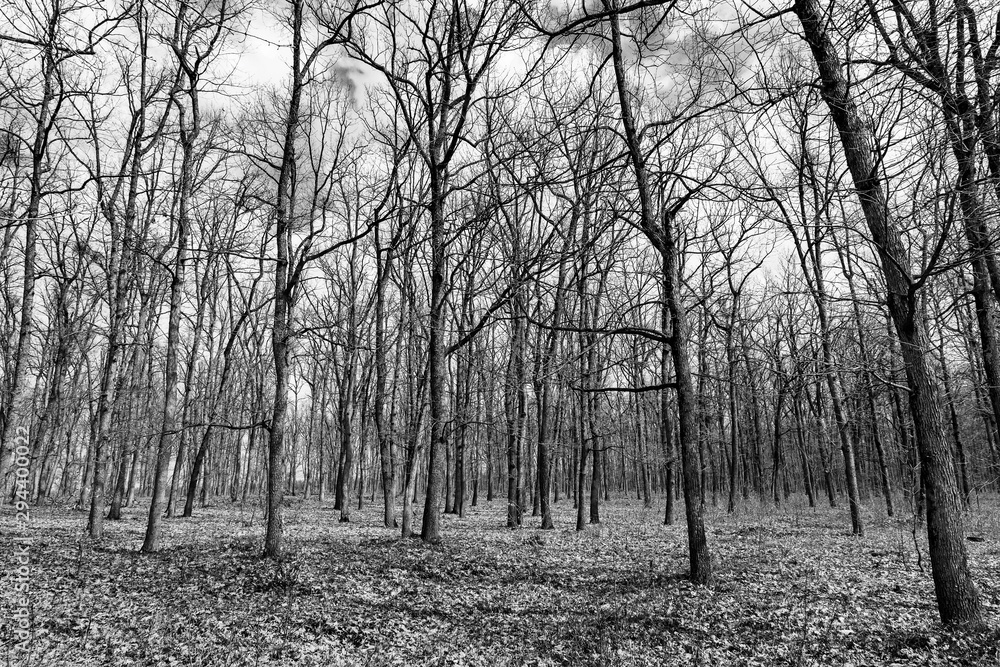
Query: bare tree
{"points": [[433, 60], [197, 35], [957, 596]]}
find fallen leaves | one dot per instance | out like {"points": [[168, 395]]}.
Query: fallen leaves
{"points": [[793, 589]]}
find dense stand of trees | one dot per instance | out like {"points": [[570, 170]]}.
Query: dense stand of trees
{"points": [[441, 253]]}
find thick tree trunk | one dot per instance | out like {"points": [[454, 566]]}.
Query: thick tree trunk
{"points": [[957, 596], [687, 409], [430, 530]]}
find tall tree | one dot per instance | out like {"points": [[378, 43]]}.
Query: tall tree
{"points": [[197, 36], [957, 595], [433, 59]]}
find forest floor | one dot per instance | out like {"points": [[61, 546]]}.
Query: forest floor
{"points": [[793, 588]]}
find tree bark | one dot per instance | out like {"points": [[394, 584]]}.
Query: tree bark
{"points": [[957, 596]]}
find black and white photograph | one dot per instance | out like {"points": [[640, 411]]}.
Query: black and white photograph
{"points": [[516, 333]]}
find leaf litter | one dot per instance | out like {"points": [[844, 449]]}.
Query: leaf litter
{"points": [[793, 588]]}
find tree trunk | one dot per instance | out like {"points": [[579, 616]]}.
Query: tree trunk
{"points": [[957, 596], [664, 236]]}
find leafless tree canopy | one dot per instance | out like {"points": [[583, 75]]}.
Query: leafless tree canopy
{"points": [[428, 254]]}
